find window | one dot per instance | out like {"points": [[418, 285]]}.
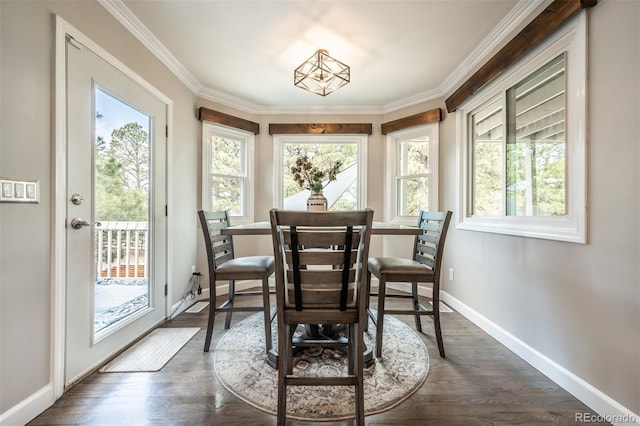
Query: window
{"points": [[412, 172], [227, 171], [522, 141], [347, 192]]}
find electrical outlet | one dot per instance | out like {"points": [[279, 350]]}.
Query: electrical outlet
{"points": [[193, 269], [451, 274]]}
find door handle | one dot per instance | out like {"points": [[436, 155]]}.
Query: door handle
{"points": [[77, 223]]}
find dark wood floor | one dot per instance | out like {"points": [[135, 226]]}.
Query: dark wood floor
{"points": [[479, 383]]}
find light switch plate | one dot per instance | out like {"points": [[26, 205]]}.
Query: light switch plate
{"points": [[19, 190]]}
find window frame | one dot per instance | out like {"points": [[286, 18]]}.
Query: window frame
{"points": [[571, 227], [279, 140], [211, 130], [392, 169]]}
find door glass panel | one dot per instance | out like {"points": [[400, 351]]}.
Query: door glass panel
{"points": [[121, 179]]}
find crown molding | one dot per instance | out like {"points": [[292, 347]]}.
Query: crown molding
{"points": [[252, 108], [315, 110], [124, 15], [519, 16], [514, 21], [229, 100], [412, 100]]}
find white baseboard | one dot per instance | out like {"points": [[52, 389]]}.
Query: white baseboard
{"points": [[29, 408], [607, 408], [204, 294], [181, 306]]}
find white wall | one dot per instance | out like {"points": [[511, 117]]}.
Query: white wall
{"points": [[26, 138]]}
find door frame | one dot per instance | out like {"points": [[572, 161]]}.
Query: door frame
{"points": [[58, 198]]}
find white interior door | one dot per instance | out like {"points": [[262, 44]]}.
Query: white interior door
{"points": [[116, 217]]}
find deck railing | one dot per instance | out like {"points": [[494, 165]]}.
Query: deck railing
{"points": [[122, 249]]}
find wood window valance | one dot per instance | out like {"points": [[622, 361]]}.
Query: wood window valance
{"points": [[320, 128], [556, 14], [206, 114], [426, 117]]}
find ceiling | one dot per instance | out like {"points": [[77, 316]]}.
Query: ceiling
{"points": [[242, 53]]}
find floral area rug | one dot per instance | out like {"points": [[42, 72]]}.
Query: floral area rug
{"points": [[240, 364]]}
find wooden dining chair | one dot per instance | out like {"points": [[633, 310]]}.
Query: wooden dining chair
{"points": [[423, 268], [321, 264], [224, 266]]}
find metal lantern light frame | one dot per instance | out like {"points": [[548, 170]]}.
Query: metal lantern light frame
{"points": [[321, 74]]}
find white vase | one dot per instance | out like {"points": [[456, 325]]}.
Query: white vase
{"points": [[317, 202]]}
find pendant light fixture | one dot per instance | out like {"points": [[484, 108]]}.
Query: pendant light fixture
{"points": [[321, 74]]}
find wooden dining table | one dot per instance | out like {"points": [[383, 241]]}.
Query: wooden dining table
{"points": [[378, 228], [264, 228]]}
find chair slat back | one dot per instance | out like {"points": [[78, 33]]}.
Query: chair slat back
{"points": [[331, 257], [429, 246], [219, 247], [319, 257], [320, 239]]}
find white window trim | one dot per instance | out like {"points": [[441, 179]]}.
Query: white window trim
{"points": [[279, 141], [210, 129], [572, 38], [392, 170]]}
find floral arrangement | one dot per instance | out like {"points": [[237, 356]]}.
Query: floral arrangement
{"points": [[311, 177]]}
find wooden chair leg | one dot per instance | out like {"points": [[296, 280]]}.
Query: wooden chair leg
{"points": [[282, 403], [366, 302], [267, 314], [212, 316], [435, 300], [291, 330], [283, 366], [416, 306], [351, 350], [359, 372], [232, 292], [436, 324], [380, 320]]}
